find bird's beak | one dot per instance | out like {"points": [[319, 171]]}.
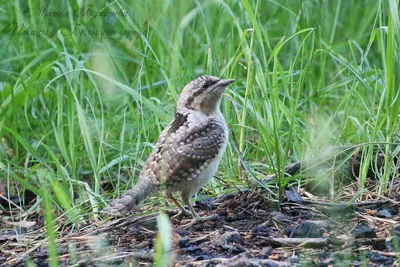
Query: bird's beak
{"points": [[225, 82]]}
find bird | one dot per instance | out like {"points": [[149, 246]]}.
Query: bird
{"points": [[188, 151]]}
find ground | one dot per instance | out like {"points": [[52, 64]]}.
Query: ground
{"points": [[250, 231]]}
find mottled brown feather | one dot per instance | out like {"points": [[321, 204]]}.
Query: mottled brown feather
{"points": [[181, 155]]}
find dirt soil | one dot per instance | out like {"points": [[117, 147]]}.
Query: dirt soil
{"points": [[249, 231]]}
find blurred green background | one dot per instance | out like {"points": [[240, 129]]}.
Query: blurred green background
{"points": [[87, 86]]}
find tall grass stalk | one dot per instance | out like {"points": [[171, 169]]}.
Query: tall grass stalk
{"points": [[48, 209]]}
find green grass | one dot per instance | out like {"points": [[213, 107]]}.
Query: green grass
{"points": [[86, 110]]}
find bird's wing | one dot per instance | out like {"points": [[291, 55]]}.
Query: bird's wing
{"points": [[193, 150], [184, 149]]}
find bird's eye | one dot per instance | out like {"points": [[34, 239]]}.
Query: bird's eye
{"points": [[208, 83]]}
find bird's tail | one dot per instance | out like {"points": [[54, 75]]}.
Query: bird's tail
{"points": [[143, 188]]}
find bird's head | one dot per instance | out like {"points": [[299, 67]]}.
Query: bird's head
{"points": [[203, 94]]}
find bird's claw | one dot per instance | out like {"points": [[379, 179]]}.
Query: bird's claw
{"points": [[181, 213]]}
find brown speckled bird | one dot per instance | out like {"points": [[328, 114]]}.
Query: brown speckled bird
{"points": [[188, 150]]}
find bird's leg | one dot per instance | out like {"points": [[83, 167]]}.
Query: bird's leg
{"points": [[182, 210], [196, 217]]}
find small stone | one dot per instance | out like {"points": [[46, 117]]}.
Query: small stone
{"points": [[279, 217], [384, 214], [183, 232], [265, 252], [293, 195], [376, 257], [233, 249], [261, 230], [364, 231], [184, 242], [202, 258], [193, 249], [305, 229], [229, 237], [206, 204]]}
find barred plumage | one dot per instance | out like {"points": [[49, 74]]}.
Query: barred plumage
{"points": [[188, 151]]}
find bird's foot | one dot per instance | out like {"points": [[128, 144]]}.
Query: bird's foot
{"points": [[181, 213]]}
